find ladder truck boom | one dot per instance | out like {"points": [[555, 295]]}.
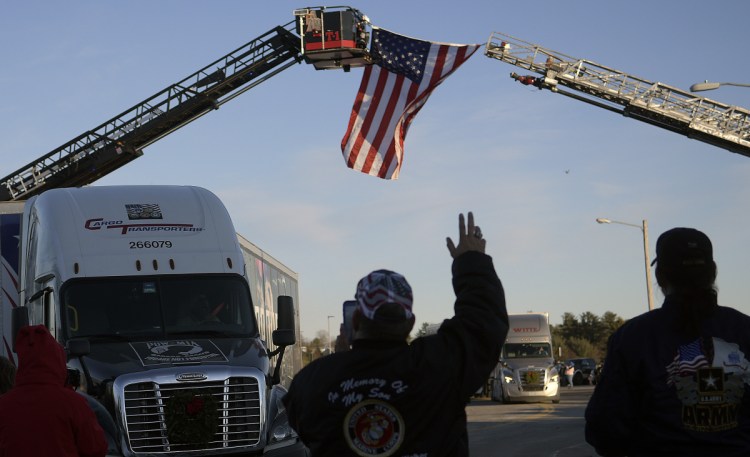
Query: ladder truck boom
{"points": [[655, 103], [121, 139], [326, 37]]}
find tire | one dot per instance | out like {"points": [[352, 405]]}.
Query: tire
{"points": [[494, 390], [506, 398], [578, 378]]}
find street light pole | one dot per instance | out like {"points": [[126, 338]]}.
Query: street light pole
{"points": [[648, 266], [644, 231], [706, 85], [328, 337]]}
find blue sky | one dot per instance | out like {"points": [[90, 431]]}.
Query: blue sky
{"points": [[536, 168]]}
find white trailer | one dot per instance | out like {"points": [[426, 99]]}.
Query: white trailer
{"points": [[526, 370], [270, 279], [10, 227]]}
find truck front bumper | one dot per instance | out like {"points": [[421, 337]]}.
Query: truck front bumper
{"points": [[550, 392], [293, 450]]}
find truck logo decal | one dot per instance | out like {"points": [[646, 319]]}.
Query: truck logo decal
{"points": [[177, 351], [143, 211], [525, 329], [99, 223], [190, 377]]}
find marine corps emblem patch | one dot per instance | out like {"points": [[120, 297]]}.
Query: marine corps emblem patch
{"points": [[374, 428]]}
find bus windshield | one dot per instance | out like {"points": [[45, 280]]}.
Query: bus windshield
{"points": [[159, 306]]}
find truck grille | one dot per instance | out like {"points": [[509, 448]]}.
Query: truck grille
{"points": [[238, 406], [532, 379]]}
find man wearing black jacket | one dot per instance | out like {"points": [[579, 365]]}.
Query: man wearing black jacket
{"points": [[387, 397], [676, 380]]}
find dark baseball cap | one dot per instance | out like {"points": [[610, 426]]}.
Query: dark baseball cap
{"points": [[682, 246]]}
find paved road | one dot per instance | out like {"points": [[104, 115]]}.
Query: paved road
{"points": [[530, 430]]}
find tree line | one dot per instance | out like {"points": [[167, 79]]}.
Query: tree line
{"points": [[582, 336], [585, 335]]}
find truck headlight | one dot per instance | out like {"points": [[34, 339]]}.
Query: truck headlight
{"points": [[279, 428], [509, 380]]}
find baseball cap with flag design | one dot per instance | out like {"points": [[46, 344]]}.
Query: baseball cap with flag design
{"points": [[381, 287]]}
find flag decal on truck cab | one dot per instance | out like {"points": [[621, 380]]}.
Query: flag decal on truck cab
{"points": [[137, 211]]}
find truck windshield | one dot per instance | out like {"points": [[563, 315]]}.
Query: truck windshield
{"points": [[130, 308], [526, 350]]}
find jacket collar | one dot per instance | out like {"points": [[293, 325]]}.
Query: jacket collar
{"points": [[378, 344]]}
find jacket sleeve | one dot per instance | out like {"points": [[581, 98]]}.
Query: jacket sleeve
{"points": [[609, 413], [89, 435], [476, 333]]}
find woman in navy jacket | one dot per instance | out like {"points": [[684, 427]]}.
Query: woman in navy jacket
{"points": [[675, 380]]}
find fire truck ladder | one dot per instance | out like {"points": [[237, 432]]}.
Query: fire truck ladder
{"points": [[121, 139], [664, 106]]}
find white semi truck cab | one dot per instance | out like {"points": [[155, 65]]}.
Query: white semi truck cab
{"points": [[526, 370], [146, 287]]}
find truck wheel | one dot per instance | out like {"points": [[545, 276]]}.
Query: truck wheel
{"points": [[578, 379], [493, 392]]}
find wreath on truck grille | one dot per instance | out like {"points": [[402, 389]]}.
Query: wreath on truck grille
{"points": [[532, 377], [191, 417]]}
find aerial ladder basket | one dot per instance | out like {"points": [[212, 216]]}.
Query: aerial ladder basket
{"points": [[333, 38]]}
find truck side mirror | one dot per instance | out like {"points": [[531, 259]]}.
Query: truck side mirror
{"points": [[20, 318], [284, 335], [38, 294], [78, 347]]}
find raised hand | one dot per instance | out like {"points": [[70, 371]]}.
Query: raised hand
{"points": [[469, 237]]}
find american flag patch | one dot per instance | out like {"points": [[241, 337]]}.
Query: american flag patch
{"points": [[687, 361], [138, 211]]}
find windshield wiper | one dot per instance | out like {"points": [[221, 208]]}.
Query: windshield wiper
{"points": [[104, 336], [121, 336], [220, 333]]}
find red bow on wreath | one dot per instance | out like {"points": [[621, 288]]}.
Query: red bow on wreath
{"points": [[195, 406], [191, 417]]}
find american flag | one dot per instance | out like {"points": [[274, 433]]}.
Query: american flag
{"points": [[143, 211], [392, 92], [688, 359]]}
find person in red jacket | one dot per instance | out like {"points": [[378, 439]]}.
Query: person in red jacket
{"points": [[7, 374], [42, 417]]}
